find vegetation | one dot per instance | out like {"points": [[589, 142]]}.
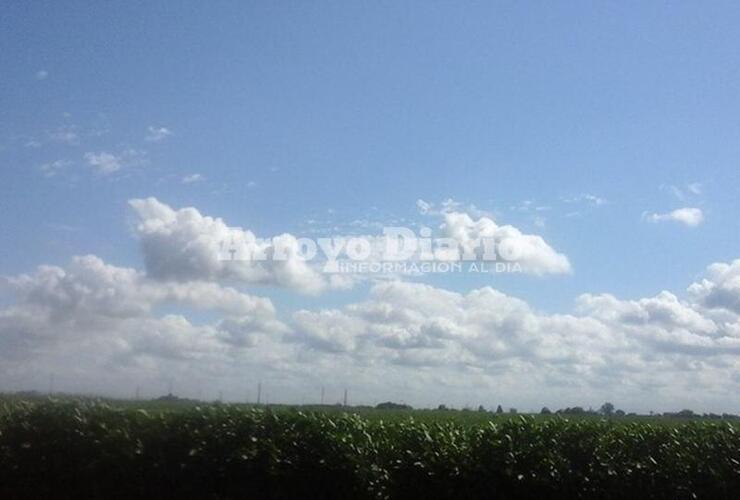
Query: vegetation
{"points": [[61, 450]]}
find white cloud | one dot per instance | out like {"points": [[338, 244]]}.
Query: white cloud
{"points": [[533, 254], [42, 74], [424, 207], [100, 326], [531, 251], [688, 216], [610, 347], [185, 245], [447, 206], [192, 178], [50, 169], [106, 163], [104, 326], [157, 134], [588, 198], [721, 289], [90, 301], [693, 189]]}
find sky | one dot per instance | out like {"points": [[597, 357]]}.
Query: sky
{"points": [[601, 138]]}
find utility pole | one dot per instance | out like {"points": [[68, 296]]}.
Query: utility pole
{"points": [[345, 397], [259, 392], [51, 384], [322, 395], [138, 393]]}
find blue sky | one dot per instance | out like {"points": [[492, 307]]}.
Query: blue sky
{"points": [[577, 123]]}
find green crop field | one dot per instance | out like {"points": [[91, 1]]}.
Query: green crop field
{"points": [[87, 449]]}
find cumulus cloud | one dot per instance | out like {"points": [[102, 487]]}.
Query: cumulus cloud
{"points": [[186, 245], [688, 216], [422, 325], [183, 244], [469, 226], [185, 317], [91, 302], [529, 250], [409, 339], [721, 288], [608, 344]]}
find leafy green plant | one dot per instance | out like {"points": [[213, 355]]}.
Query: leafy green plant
{"points": [[80, 450]]}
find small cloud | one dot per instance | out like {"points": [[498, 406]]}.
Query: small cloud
{"points": [[192, 178], [448, 206], [251, 184], [682, 193], [51, 169], [66, 134], [675, 191], [695, 188], [594, 200], [157, 134], [42, 74], [590, 199], [104, 163], [424, 207], [688, 216], [107, 163], [524, 206]]}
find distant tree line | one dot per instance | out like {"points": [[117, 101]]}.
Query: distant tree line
{"points": [[606, 410]]}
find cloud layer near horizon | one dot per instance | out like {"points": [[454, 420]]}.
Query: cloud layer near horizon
{"points": [[187, 318]]}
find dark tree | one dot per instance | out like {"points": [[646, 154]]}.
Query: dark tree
{"points": [[607, 409]]}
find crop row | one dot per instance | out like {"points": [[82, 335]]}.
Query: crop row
{"points": [[87, 450]]}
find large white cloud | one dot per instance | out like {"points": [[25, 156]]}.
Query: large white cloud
{"points": [[91, 302], [102, 327], [186, 245], [424, 344], [658, 347], [183, 244], [529, 250], [721, 288]]}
